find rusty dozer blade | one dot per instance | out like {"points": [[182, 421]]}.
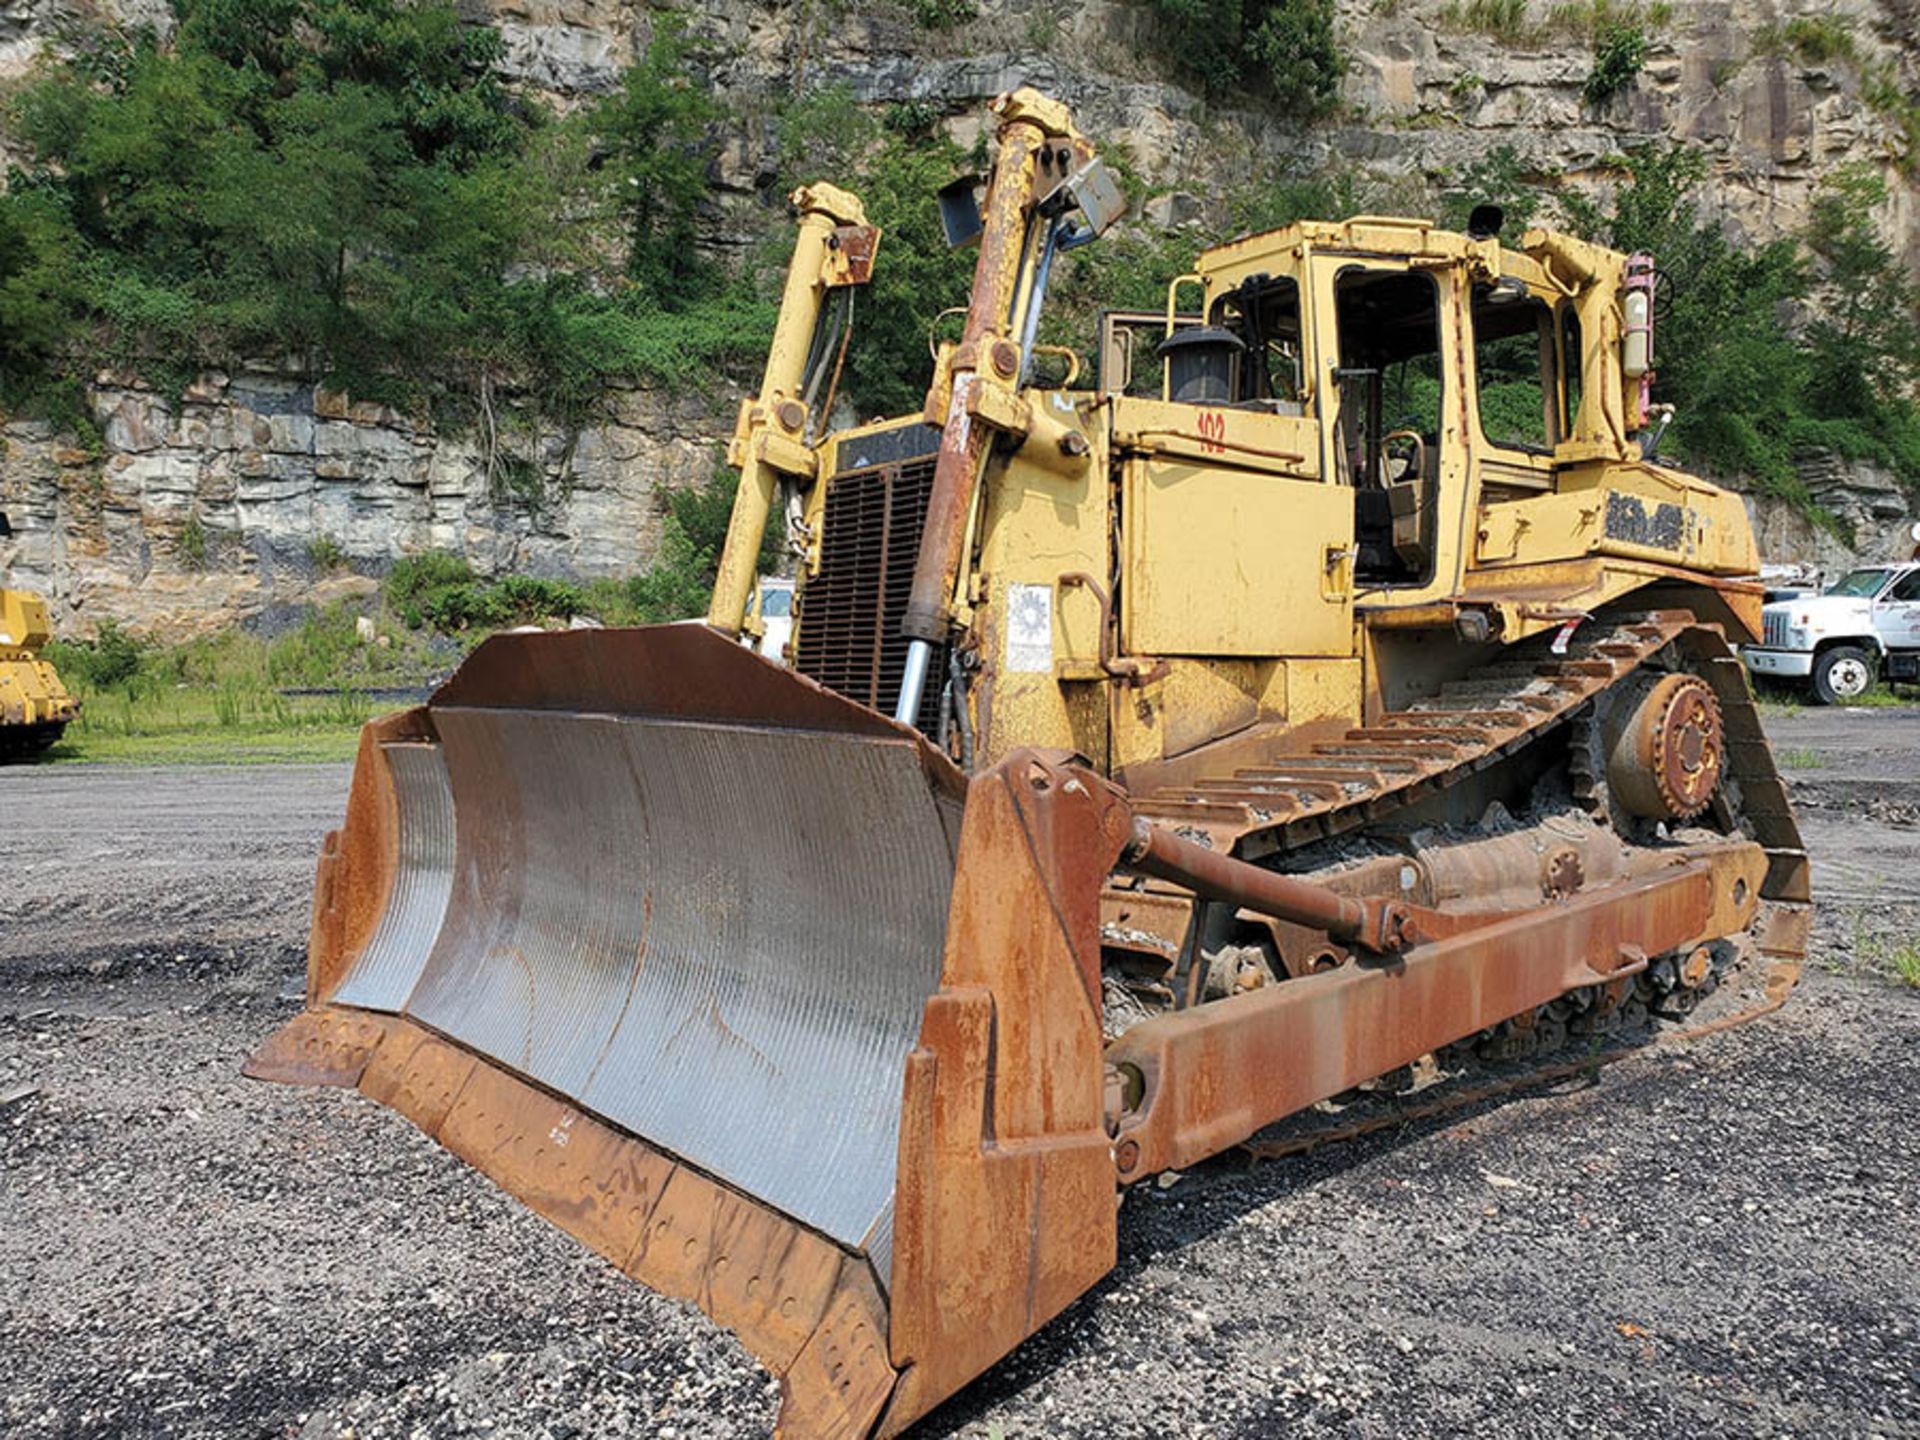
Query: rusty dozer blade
{"points": [[745, 987]]}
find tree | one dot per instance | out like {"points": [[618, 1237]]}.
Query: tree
{"points": [[351, 182], [1864, 341], [652, 133]]}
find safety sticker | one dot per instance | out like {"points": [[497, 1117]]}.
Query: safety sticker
{"points": [[1030, 629]]}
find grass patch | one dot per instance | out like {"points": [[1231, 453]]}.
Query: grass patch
{"points": [[1898, 959], [1776, 698], [146, 724], [1810, 39], [1801, 757]]}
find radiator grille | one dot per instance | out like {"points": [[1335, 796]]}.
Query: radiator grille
{"points": [[849, 620], [1774, 629]]}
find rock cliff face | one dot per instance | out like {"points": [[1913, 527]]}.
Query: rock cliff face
{"points": [[209, 507], [248, 490]]}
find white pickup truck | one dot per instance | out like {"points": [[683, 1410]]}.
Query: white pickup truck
{"points": [[1868, 624]]}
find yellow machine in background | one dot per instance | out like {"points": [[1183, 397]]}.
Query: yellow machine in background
{"points": [[1334, 695], [34, 706]]}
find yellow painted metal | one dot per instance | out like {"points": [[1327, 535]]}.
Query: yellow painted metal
{"points": [[1319, 690], [23, 622], [768, 437], [1636, 511], [1213, 435], [1041, 522], [31, 693], [1594, 276], [1193, 569], [1233, 562]]}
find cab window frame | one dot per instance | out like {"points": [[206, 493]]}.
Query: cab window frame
{"points": [[1550, 391]]}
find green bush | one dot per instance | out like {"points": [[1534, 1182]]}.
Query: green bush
{"points": [[1619, 54], [1814, 39], [943, 14], [321, 652], [1752, 392], [1502, 19], [193, 542], [113, 658], [413, 575], [440, 591], [1283, 51], [325, 554]]}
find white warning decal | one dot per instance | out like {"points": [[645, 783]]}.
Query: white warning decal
{"points": [[1030, 629]]}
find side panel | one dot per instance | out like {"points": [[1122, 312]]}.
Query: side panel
{"points": [[1230, 562], [1042, 535], [1634, 513]]}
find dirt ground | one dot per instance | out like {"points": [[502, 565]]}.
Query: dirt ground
{"points": [[1717, 1238]]}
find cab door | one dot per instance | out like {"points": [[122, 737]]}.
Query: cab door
{"points": [[1388, 373], [1896, 614], [1234, 544]]}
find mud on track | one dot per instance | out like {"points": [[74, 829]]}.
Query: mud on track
{"points": [[1718, 1238]]}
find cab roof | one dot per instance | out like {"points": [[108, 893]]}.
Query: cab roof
{"points": [[1541, 259]]}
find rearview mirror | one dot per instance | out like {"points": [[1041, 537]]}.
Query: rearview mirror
{"points": [[960, 211]]}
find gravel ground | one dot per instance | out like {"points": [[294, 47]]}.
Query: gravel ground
{"points": [[1717, 1238]]}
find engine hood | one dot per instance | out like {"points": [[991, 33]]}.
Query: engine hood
{"points": [[1822, 611]]}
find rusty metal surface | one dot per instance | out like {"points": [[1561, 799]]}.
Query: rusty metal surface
{"points": [[1665, 747], [806, 1309], [320, 1047], [964, 439], [357, 864], [1781, 977], [1215, 1074], [1378, 924], [1752, 773], [1007, 1193], [717, 937], [1006, 1205], [384, 974], [678, 672]]}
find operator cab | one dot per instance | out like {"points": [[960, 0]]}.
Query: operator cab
{"points": [[1433, 371]]}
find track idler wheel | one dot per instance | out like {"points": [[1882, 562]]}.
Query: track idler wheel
{"points": [[1666, 748]]}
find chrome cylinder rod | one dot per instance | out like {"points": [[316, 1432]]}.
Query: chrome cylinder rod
{"points": [[907, 706]]}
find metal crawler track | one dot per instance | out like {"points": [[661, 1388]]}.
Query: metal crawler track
{"points": [[1406, 755], [1299, 796], [20, 742]]}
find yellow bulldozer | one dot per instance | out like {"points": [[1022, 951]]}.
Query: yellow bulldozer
{"points": [[1329, 698], [35, 708]]}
